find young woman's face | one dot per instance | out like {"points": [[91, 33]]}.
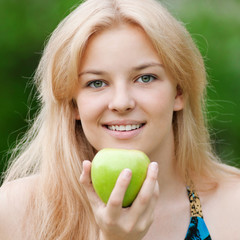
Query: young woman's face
{"points": [[125, 97]]}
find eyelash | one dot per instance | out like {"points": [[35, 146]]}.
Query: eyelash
{"points": [[152, 78], [94, 81]]}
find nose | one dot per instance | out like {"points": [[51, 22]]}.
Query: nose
{"points": [[122, 100]]}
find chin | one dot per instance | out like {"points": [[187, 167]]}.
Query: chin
{"points": [[125, 146]]}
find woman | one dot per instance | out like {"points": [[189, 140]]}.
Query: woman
{"points": [[119, 74]]}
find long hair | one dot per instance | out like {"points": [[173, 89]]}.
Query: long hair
{"points": [[55, 146]]}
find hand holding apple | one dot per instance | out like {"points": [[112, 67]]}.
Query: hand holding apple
{"points": [[108, 163]]}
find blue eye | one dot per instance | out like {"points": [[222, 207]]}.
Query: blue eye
{"points": [[96, 84], [146, 78]]}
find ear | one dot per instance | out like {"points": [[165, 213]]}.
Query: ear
{"points": [[179, 100], [75, 109]]}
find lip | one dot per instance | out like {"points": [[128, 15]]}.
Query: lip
{"points": [[123, 122], [124, 135]]}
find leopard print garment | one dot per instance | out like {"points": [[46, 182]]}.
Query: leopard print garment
{"points": [[197, 229]]}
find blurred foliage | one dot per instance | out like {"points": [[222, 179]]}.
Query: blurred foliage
{"points": [[24, 27], [214, 25]]}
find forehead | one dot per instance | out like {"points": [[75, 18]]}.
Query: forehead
{"points": [[123, 41]]}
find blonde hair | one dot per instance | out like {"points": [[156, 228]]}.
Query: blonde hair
{"points": [[55, 146]]}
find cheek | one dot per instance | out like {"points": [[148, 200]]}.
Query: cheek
{"points": [[161, 106], [89, 108], [88, 114], [160, 100]]}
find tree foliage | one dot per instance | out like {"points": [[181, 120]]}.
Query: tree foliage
{"points": [[214, 25]]}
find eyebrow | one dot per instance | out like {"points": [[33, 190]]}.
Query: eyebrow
{"points": [[137, 68], [95, 72], [147, 65]]}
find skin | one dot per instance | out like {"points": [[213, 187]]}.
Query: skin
{"points": [[111, 89], [14, 197], [161, 210], [119, 60], [112, 92]]}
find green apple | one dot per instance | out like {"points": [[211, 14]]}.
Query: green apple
{"points": [[108, 163]]}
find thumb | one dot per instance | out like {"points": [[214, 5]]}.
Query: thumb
{"points": [[85, 180]]}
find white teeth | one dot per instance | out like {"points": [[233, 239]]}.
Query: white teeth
{"points": [[128, 128], [122, 128]]}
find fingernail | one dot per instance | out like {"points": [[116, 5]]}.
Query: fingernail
{"points": [[83, 163], [127, 173], [154, 166], [83, 166]]}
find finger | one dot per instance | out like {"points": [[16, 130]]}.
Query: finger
{"points": [[85, 180], [114, 205], [146, 192], [85, 176], [147, 216]]}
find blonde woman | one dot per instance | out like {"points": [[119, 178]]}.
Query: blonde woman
{"points": [[114, 63]]}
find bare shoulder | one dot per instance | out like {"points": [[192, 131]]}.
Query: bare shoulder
{"points": [[228, 191], [229, 187], [14, 198], [221, 208]]}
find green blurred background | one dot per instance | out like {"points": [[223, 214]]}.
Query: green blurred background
{"points": [[214, 25]]}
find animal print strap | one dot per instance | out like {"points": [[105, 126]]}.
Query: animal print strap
{"points": [[195, 205]]}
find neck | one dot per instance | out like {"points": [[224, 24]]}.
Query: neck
{"points": [[169, 180]]}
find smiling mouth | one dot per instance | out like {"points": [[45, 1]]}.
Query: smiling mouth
{"points": [[124, 128]]}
